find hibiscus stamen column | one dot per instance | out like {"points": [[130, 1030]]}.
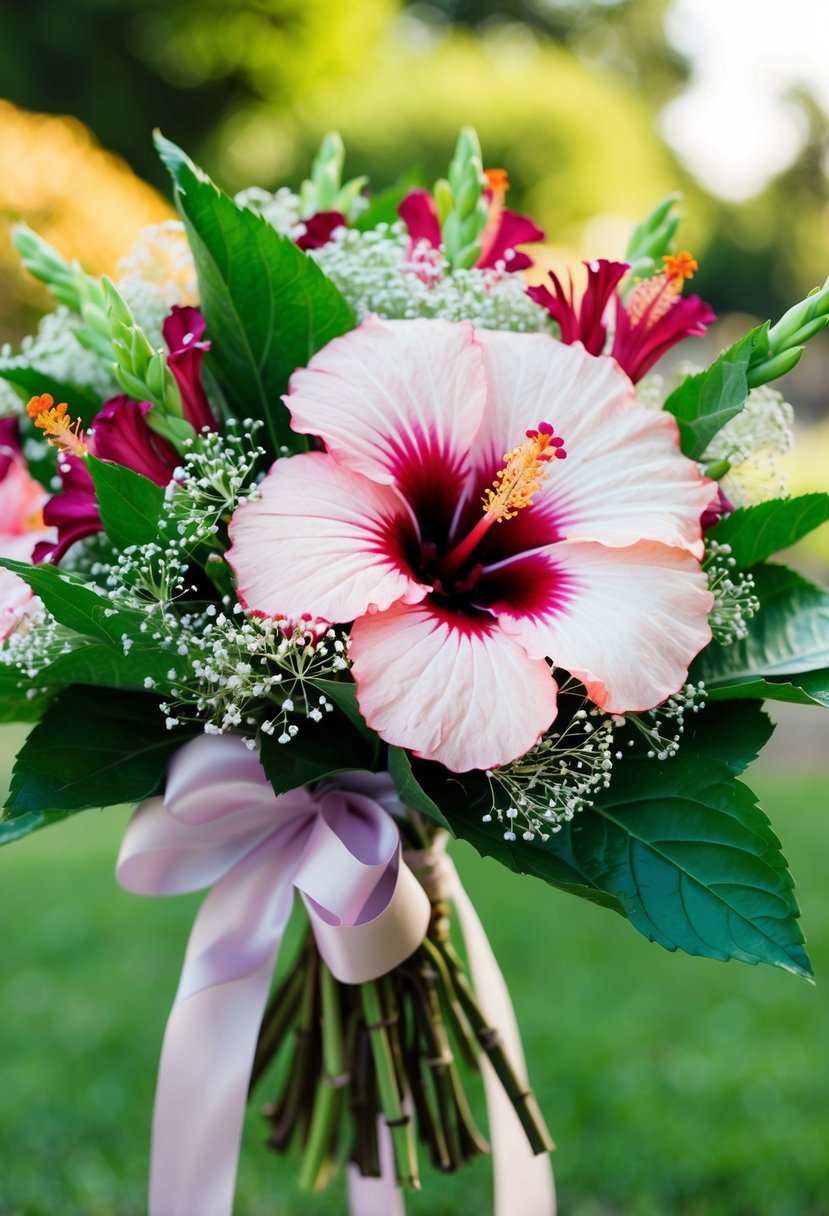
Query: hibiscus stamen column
{"points": [[513, 487]]}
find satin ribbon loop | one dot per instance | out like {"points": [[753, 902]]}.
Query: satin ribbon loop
{"points": [[220, 825]]}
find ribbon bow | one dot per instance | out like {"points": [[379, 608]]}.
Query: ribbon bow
{"points": [[220, 824]]}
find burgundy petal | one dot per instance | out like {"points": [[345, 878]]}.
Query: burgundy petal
{"points": [[584, 322], [320, 228], [9, 443], [637, 346], [120, 433], [74, 512], [718, 509], [513, 230], [183, 332], [419, 213]]}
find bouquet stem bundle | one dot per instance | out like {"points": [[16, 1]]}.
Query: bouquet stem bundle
{"points": [[384, 1052]]}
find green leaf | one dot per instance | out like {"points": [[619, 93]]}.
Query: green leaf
{"points": [[77, 606], [755, 533], [343, 694], [789, 635], [679, 847], [410, 791], [463, 799], [109, 666], [112, 649], [130, 505], [24, 825], [268, 306], [807, 688], [694, 862], [320, 749], [703, 404], [91, 751], [21, 699]]}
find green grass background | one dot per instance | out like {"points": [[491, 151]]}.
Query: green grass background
{"points": [[671, 1084]]}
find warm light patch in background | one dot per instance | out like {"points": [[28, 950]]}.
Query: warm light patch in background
{"points": [[83, 200]]}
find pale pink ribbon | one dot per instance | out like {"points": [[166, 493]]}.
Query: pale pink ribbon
{"points": [[219, 824]]}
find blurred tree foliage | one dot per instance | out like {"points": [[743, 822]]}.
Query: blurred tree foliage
{"points": [[250, 86], [624, 38], [565, 95]]}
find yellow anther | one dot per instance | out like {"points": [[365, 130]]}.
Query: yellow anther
{"points": [[525, 468], [61, 432]]}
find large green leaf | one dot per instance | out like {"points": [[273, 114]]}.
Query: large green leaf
{"points": [[113, 649], [320, 749], [702, 404], [756, 533], [72, 603], [21, 699], [130, 505], [789, 635], [90, 750], [409, 789], [679, 847], [268, 306], [695, 863], [805, 688], [462, 800]]}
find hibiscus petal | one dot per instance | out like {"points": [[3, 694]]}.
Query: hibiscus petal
{"points": [[322, 540], [15, 597], [595, 494], [399, 401], [625, 621], [451, 688]]}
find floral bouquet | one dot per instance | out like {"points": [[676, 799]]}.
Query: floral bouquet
{"points": [[334, 539]]}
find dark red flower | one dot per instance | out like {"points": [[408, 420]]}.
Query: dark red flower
{"points": [[716, 510], [584, 322], [120, 433], [504, 229], [653, 318], [319, 229], [9, 444], [74, 512], [183, 332]]}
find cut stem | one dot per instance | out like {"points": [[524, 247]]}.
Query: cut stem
{"points": [[398, 1121]]}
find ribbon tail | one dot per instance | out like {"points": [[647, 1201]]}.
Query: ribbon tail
{"points": [[203, 1079], [523, 1181]]}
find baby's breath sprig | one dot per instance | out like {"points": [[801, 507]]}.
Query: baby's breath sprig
{"points": [[662, 728], [567, 769], [734, 600], [557, 778], [254, 674], [375, 274]]}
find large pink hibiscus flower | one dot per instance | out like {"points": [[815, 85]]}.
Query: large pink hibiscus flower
{"points": [[458, 604]]}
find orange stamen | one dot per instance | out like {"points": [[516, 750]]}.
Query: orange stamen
{"points": [[61, 432], [680, 266], [498, 181]]}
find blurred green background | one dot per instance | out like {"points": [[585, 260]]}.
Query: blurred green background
{"points": [[672, 1085]]}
